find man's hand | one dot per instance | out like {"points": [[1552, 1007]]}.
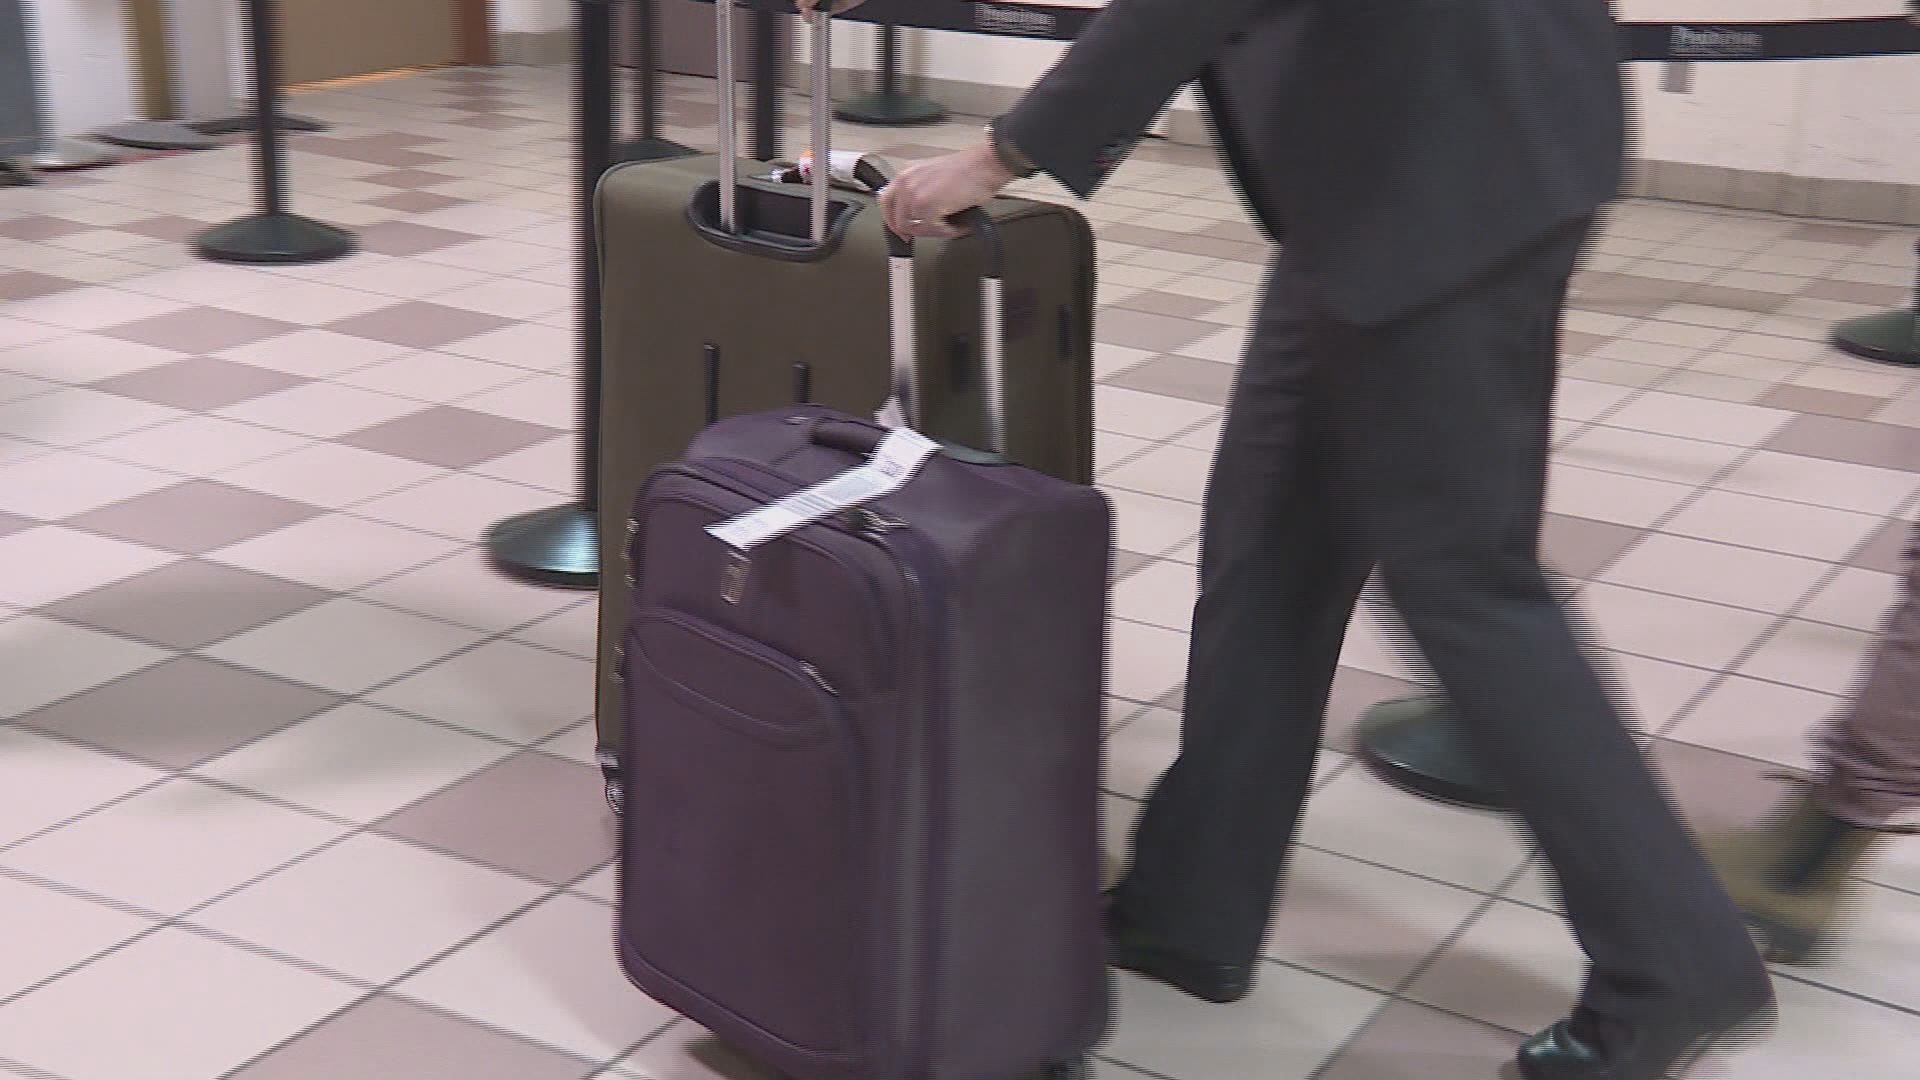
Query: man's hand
{"points": [[922, 198], [807, 7]]}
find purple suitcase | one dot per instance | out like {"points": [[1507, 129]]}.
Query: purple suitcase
{"points": [[861, 833]]}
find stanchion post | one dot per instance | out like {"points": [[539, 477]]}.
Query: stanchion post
{"points": [[765, 35], [560, 546], [273, 235], [647, 143], [1891, 337], [890, 105]]}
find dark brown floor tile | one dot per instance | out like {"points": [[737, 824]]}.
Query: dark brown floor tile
{"points": [[409, 178], [39, 228], [188, 604], [195, 517], [404, 238], [450, 437], [1860, 292], [1582, 548], [418, 325], [1412, 1042], [1624, 294], [1723, 296], [182, 712], [165, 227], [1861, 442], [911, 152], [199, 331], [1155, 333], [1237, 231], [489, 121], [1354, 692], [394, 157], [415, 202], [1575, 343], [200, 383], [1820, 233], [1812, 399], [1180, 377], [28, 285], [385, 1037], [532, 814], [1886, 550], [1125, 564], [1716, 791], [402, 140], [1163, 303]]}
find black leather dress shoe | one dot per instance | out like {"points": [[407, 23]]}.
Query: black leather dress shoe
{"points": [[1130, 950], [1564, 1052]]}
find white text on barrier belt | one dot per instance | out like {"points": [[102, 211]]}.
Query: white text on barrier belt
{"points": [[894, 462]]}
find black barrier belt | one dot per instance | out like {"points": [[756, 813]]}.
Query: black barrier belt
{"points": [[1706, 42]]}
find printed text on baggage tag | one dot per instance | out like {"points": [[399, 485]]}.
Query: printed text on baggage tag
{"points": [[893, 463]]}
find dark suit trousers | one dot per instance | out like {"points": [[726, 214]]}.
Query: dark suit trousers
{"points": [[1421, 446]]}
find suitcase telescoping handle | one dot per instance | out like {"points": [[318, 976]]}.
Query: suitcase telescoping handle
{"points": [[993, 319], [822, 109]]}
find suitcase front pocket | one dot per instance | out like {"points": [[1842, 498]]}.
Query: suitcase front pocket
{"points": [[741, 843]]}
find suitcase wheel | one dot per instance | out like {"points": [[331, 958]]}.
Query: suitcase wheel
{"points": [[1080, 1068]]}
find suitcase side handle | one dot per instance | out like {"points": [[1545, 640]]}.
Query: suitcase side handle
{"points": [[993, 310], [820, 56]]}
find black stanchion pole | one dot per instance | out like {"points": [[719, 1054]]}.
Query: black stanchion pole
{"points": [[766, 85], [647, 144], [273, 235], [889, 105], [560, 546], [1892, 337]]}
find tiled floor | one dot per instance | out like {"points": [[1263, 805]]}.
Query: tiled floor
{"points": [[292, 787]]}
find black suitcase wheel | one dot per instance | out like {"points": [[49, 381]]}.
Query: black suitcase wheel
{"points": [[1080, 1068]]}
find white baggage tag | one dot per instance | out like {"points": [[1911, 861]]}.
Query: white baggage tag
{"points": [[893, 463]]}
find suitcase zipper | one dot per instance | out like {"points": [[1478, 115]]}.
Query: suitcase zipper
{"points": [[819, 679]]}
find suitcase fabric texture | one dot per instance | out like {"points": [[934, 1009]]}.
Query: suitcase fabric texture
{"points": [[772, 310], [863, 760]]}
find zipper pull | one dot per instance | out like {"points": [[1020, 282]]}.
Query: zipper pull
{"points": [[819, 679]]}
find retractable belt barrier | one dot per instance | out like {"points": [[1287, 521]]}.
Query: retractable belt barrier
{"points": [[1815, 39]]}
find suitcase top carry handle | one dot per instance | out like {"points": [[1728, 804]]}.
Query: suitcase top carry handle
{"points": [[822, 116], [993, 299]]}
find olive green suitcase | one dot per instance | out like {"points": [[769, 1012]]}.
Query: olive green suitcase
{"points": [[718, 305]]}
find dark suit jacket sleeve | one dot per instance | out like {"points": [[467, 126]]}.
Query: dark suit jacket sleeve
{"points": [[1080, 120]]}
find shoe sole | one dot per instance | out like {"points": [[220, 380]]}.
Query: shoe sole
{"points": [[1190, 991]]}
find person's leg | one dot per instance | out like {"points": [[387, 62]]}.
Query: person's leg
{"points": [[1443, 419], [1872, 755], [1278, 582], [1790, 875]]}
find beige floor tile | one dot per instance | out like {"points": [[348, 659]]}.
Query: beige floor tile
{"points": [[173, 847], [1293, 1022], [548, 975], [184, 1008]]}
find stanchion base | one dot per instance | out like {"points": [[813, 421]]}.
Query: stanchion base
{"points": [[651, 150], [1416, 744], [64, 155], [234, 125], [274, 238], [559, 547], [157, 135], [896, 110], [1892, 337]]}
